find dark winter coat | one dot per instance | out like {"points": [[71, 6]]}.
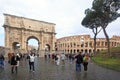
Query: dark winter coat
{"points": [[79, 59], [13, 60]]}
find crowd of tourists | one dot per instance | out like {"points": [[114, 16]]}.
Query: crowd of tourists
{"points": [[14, 59], [79, 58]]}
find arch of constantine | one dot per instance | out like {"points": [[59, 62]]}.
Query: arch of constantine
{"points": [[84, 43], [18, 30]]}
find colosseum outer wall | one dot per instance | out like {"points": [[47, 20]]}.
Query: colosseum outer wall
{"points": [[84, 43]]}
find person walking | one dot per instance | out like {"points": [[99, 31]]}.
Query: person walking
{"points": [[31, 62], [79, 61], [18, 59], [58, 59], [9, 57], [70, 58], [13, 62], [53, 57], [86, 59], [2, 60], [63, 58]]}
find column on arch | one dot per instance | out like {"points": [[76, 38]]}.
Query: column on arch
{"points": [[7, 43], [23, 40]]}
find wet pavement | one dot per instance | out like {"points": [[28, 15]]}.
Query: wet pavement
{"points": [[48, 70]]}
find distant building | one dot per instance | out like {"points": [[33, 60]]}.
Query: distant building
{"points": [[30, 47], [84, 43]]}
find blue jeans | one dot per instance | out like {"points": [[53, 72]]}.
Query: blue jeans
{"points": [[78, 67], [1, 62]]}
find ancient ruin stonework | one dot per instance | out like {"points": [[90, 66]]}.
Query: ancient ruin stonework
{"points": [[84, 43], [18, 30]]}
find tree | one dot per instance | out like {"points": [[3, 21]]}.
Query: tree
{"points": [[107, 13], [102, 13], [92, 21]]}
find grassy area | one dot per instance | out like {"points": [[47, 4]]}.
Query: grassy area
{"points": [[110, 62]]}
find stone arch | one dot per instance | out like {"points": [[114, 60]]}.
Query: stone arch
{"points": [[47, 47], [32, 37], [14, 45], [74, 51], [78, 50], [21, 29], [82, 50], [68, 51], [98, 50], [86, 51], [90, 50]]}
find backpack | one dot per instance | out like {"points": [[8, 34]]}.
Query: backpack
{"points": [[85, 59], [56, 58], [28, 57]]}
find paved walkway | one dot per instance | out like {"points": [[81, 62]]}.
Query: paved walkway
{"points": [[47, 70]]}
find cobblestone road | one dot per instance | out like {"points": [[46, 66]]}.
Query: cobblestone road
{"points": [[47, 70]]}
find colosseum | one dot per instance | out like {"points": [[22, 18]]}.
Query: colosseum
{"points": [[84, 43]]}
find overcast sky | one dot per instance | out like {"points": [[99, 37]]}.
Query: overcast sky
{"points": [[66, 14]]}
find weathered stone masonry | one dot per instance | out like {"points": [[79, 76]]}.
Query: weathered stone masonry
{"points": [[21, 29]]}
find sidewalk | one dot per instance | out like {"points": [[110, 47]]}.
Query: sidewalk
{"points": [[47, 70]]}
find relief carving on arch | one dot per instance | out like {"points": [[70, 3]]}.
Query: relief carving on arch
{"points": [[18, 29]]}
